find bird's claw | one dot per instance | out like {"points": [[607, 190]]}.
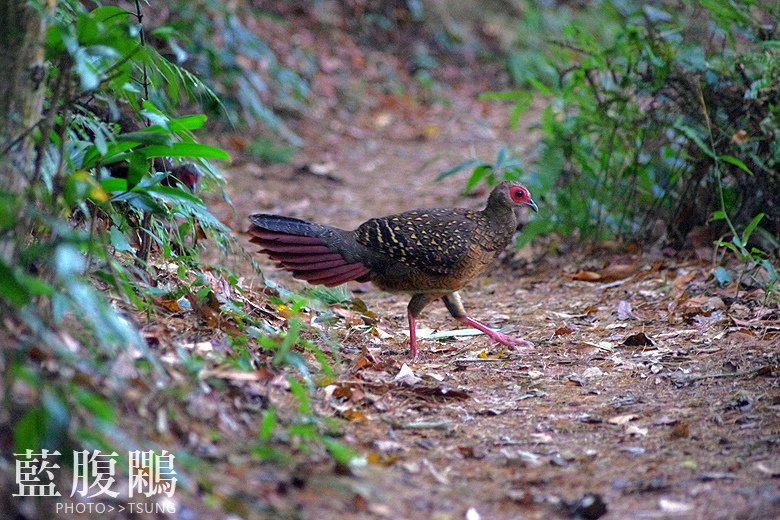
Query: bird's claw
{"points": [[511, 341]]}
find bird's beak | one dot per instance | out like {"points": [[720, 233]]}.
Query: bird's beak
{"points": [[533, 206]]}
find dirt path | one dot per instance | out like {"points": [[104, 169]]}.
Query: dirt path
{"points": [[649, 388], [688, 427]]}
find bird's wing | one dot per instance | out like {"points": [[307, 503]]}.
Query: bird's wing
{"points": [[435, 240]]}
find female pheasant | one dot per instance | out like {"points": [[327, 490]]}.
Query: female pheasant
{"points": [[429, 253]]}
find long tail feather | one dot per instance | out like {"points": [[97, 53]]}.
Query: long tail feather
{"points": [[303, 249]]}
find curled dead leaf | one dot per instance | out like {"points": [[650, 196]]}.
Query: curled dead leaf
{"points": [[379, 459], [441, 393], [354, 415], [562, 331], [608, 274], [740, 137], [640, 339], [586, 276]]}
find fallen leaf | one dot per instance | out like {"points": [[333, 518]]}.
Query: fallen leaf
{"points": [[341, 391], [406, 376], [640, 339], [624, 311], [608, 274], [636, 431], [389, 446], [681, 431], [586, 276], [672, 506], [768, 470], [472, 514], [170, 304], [603, 345], [623, 419], [440, 392], [740, 137], [378, 459], [618, 271], [562, 331], [542, 438], [381, 334], [592, 372], [200, 347], [354, 415]]}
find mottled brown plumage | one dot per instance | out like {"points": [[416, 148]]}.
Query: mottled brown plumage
{"points": [[430, 253]]}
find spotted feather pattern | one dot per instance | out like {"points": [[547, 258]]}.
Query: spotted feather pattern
{"points": [[435, 240]]}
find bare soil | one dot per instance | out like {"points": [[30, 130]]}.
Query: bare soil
{"points": [[651, 392]]}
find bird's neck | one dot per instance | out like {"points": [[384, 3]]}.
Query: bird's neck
{"points": [[500, 217]]}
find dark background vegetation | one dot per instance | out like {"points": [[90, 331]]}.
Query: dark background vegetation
{"points": [[660, 126]]}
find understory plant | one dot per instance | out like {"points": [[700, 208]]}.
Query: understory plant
{"points": [[102, 227], [659, 120]]}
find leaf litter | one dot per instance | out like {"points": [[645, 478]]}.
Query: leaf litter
{"points": [[625, 407]]}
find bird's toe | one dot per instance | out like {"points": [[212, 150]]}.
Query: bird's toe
{"points": [[516, 343]]}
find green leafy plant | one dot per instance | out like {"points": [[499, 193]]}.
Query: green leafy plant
{"points": [[213, 39], [625, 144], [100, 232], [505, 167]]}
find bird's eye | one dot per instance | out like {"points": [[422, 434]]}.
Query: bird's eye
{"points": [[518, 194]]}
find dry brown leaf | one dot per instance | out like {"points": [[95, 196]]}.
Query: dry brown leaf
{"points": [[562, 331], [640, 339], [586, 276], [440, 392], [354, 415], [169, 304], [608, 274], [618, 271], [681, 431]]}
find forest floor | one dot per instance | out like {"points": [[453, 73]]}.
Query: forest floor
{"points": [[651, 392]]}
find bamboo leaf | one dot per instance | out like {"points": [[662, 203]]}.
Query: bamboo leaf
{"points": [[736, 162]]}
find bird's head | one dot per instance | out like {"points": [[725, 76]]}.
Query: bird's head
{"points": [[512, 194]]}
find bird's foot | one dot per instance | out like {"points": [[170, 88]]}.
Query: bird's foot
{"points": [[509, 341]]}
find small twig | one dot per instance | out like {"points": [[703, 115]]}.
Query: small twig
{"points": [[745, 373], [146, 234], [440, 477], [418, 425], [481, 360], [48, 121]]}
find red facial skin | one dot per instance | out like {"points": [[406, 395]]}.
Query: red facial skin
{"points": [[520, 195]]}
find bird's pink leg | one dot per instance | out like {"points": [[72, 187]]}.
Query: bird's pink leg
{"points": [[509, 341], [412, 335]]}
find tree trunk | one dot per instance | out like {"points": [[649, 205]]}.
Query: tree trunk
{"points": [[22, 30]]}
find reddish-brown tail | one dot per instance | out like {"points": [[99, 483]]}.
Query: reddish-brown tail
{"points": [[295, 245]]}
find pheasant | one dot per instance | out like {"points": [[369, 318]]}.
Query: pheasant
{"points": [[429, 253]]}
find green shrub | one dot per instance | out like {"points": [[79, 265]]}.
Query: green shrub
{"points": [[653, 111], [100, 230]]}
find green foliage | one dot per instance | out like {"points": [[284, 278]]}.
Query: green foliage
{"points": [[505, 167], [267, 151], [651, 110], [214, 40], [103, 229]]}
